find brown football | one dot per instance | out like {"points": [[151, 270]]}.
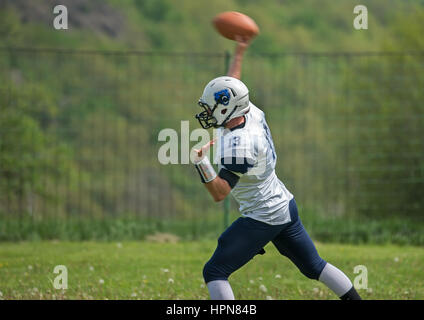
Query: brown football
{"points": [[231, 24]]}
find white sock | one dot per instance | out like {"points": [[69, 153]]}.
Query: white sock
{"points": [[335, 279], [220, 290]]}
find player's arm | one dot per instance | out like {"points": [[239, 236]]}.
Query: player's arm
{"points": [[218, 187], [233, 167], [235, 67]]}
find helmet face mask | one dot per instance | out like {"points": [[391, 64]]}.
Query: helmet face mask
{"points": [[229, 98], [206, 118]]}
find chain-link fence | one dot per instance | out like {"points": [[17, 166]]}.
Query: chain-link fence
{"points": [[79, 132]]}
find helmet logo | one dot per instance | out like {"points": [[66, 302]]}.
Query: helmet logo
{"points": [[222, 97]]}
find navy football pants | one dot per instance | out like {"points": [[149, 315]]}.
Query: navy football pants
{"points": [[247, 237]]}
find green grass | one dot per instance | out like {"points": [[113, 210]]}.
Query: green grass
{"points": [[142, 270]]}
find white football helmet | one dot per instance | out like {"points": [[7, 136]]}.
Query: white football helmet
{"points": [[223, 99]]}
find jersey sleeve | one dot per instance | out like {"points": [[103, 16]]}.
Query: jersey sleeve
{"points": [[237, 164], [229, 176]]}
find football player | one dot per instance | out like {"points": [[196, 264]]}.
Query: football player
{"points": [[246, 160]]}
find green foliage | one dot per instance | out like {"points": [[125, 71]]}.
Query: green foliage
{"points": [[78, 130], [388, 125], [31, 158], [355, 230]]}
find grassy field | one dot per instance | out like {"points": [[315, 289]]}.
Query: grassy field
{"points": [[154, 270]]}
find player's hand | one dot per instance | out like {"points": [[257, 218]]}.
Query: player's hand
{"points": [[242, 43], [200, 153]]}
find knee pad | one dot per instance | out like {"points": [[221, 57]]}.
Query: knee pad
{"points": [[212, 272]]}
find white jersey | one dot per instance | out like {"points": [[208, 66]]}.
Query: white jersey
{"points": [[248, 151]]}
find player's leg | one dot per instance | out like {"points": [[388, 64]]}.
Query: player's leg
{"points": [[236, 246], [295, 243]]}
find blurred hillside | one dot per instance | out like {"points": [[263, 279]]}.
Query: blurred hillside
{"points": [[81, 109], [184, 26]]}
